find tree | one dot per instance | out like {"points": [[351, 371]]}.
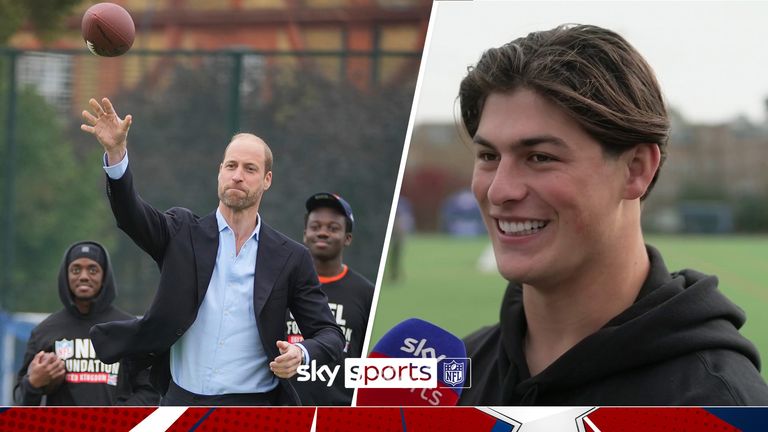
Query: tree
{"points": [[45, 16], [59, 200]]}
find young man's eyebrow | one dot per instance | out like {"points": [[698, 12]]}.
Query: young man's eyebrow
{"points": [[525, 142], [477, 139], [541, 139]]}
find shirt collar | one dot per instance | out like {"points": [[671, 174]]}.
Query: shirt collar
{"points": [[222, 223]]}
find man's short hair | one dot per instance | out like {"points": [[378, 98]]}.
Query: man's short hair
{"points": [[267, 150], [592, 73]]}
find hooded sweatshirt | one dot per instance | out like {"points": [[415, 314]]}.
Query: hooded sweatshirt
{"points": [[88, 381], [678, 344]]}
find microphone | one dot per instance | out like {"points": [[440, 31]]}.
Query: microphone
{"points": [[416, 338]]}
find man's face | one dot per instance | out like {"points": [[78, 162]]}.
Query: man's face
{"points": [[85, 278], [549, 197], [325, 234], [242, 177]]}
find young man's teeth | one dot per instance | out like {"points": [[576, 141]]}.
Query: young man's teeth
{"points": [[521, 228]]}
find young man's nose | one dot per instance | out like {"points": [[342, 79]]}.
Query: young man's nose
{"points": [[508, 184]]}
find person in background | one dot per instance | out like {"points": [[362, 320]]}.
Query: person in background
{"points": [[328, 226], [60, 365]]}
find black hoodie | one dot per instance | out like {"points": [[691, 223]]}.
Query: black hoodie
{"points": [[88, 381], [678, 344]]}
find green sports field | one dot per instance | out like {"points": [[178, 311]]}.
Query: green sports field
{"points": [[441, 284]]}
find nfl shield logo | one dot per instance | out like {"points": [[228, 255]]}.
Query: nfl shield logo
{"points": [[64, 349], [453, 373]]}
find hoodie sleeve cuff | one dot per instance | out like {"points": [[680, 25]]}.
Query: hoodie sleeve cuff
{"points": [[30, 395]]}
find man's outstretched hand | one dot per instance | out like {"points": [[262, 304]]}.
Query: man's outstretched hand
{"points": [[108, 128]]}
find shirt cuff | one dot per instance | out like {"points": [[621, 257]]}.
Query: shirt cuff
{"points": [[304, 354], [116, 171]]}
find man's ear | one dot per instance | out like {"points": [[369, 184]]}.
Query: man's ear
{"points": [[347, 239], [268, 180], [642, 162]]}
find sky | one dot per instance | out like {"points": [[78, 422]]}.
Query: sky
{"points": [[711, 58]]}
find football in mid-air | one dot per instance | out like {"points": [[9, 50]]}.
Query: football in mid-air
{"points": [[108, 29]]}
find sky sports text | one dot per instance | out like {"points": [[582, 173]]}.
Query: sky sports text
{"points": [[390, 372]]}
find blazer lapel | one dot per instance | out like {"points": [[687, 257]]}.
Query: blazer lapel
{"points": [[205, 244], [270, 260]]}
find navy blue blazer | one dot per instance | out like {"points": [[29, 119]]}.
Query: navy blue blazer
{"points": [[184, 247]]}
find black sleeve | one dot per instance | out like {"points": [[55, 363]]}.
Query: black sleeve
{"points": [[23, 392], [148, 227], [134, 388]]}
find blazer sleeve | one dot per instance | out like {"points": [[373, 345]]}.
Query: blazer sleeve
{"points": [[323, 338], [148, 227]]}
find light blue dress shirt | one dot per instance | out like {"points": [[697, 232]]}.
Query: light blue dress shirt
{"points": [[222, 352]]}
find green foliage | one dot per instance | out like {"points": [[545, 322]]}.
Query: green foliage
{"points": [[11, 18], [45, 16], [58, 201]]}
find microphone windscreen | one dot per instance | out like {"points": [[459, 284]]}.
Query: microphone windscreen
{"points": [[416, 338]]}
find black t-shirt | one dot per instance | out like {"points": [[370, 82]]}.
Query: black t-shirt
{"points": [[349, 296]]}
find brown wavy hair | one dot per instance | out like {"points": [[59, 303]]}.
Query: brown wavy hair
{"points": [[593, 73]]}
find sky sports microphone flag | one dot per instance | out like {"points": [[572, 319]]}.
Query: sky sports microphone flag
{"points": [[416, 339]]}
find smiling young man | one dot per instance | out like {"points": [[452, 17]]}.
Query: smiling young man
{"points": [[328, 226], [59, 362], [569, 129]]}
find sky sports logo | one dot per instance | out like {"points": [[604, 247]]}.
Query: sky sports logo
{"points": [[392, 372]]}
